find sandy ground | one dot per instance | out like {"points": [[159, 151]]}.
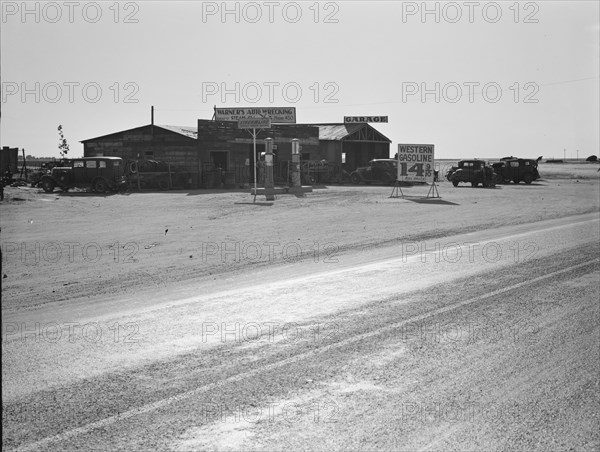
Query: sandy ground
{"points": [[343, 320], [61, 246]]}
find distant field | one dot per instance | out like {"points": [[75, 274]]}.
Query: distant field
{"points": [[568, 170]]}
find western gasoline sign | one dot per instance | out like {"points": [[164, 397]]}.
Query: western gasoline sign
{"points": [[415, 163]]}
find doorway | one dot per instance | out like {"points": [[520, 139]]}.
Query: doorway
{"points": [[220, 160]]}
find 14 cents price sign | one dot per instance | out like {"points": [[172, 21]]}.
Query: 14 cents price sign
{"points": [[415, 163]]}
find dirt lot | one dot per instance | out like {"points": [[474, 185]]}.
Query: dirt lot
{"points": [[61, 246]]}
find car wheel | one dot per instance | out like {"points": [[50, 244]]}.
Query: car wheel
{"points": [[528, 179], [48, 185], [355, 178], [455, 183], [100, 186]]}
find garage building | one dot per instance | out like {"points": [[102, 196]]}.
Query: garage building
{"points": [[222, 146]]}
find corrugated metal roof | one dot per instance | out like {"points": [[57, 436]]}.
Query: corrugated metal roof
{"points": [[337, 131], [190, 132]]}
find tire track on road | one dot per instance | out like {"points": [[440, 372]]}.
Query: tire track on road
{"points": [[108, 421]]}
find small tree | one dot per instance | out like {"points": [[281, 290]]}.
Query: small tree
{"points": [[63, 146]]}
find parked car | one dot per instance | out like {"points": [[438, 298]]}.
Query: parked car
{"points": [[474, 171], [35, 177], [97, 173], [450, 172], [383, 171], [517, 170]]}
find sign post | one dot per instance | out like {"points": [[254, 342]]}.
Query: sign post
{"points": [[253, 124], [416, 164], [257, 118]]}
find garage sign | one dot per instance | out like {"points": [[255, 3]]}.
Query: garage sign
{"points": [[365, 119], [415, 163]]}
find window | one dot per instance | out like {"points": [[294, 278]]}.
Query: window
{"points": [[102, 164], [78, 164], [115, 162], [91, 164], [514, 164]]}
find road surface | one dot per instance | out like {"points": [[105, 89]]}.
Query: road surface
{"points": [[481, 341]]}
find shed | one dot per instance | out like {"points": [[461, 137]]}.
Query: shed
{"points": [[352, 144], [176, 145], [8, 160]]}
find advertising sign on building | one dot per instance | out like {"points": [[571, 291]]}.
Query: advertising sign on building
{"points": [[415, 163], [365, 119], [285, 115], [254, 123]]}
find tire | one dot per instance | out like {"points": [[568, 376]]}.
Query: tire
{"points": [[455, 183], [505, 180], [133, 167], [48, 185], [100, 186], [528, 179], [355, 178]]}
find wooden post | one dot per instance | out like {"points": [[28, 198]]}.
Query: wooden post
{"points": [[138, 174]]}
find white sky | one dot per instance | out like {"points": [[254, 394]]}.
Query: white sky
{"points": [[368, 55]]}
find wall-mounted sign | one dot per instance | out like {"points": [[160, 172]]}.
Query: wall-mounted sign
{"points": [[415, 162], [254, 123], [365, 119], [285, 115]]}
